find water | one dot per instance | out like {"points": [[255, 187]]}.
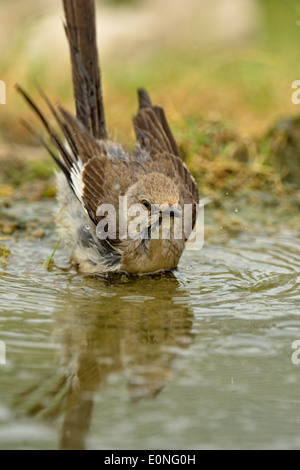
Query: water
{"points": [[196, 360]]}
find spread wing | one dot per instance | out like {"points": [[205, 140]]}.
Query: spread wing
{"points": [[105, 179], [97, 171]]}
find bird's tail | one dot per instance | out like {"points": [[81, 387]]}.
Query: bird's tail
{"points": [[81, 134], [80, 27]]}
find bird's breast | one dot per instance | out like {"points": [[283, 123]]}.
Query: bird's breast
{"points": [[151, 256]]}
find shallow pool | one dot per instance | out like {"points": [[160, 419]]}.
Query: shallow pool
{"points": [[198, 359]]}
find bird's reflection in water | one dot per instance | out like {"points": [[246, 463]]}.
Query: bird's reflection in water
{"points": [[135, 325]]}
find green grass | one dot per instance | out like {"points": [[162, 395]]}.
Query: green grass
{"points": [[49, 262]]}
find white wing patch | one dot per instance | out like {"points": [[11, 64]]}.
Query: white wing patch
{"points": [[77, 183]]}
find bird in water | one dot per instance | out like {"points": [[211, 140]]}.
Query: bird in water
{"points": [[101, 181]]}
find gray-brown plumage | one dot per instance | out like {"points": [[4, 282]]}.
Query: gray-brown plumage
{"points": [[97, 171]]}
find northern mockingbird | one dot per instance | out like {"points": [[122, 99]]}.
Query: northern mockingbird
{"points": [[101, 181]]}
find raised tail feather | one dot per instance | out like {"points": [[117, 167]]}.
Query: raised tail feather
{"points": [[82, 134], [80, 28]]}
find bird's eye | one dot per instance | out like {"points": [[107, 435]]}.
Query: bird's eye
{"points": [[146, 204]]}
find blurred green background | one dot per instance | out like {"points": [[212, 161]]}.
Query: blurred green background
{"points": [[222, 70]]}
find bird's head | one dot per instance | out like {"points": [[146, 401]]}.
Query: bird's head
{"points": [[153, 204]]}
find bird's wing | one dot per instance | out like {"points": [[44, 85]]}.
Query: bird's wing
{"points": [[154, 135], [151, 127], [80, 28], [104, 180], [97, 171]]}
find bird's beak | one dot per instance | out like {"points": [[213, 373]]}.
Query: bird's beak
{"points": [[173, 211]]}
